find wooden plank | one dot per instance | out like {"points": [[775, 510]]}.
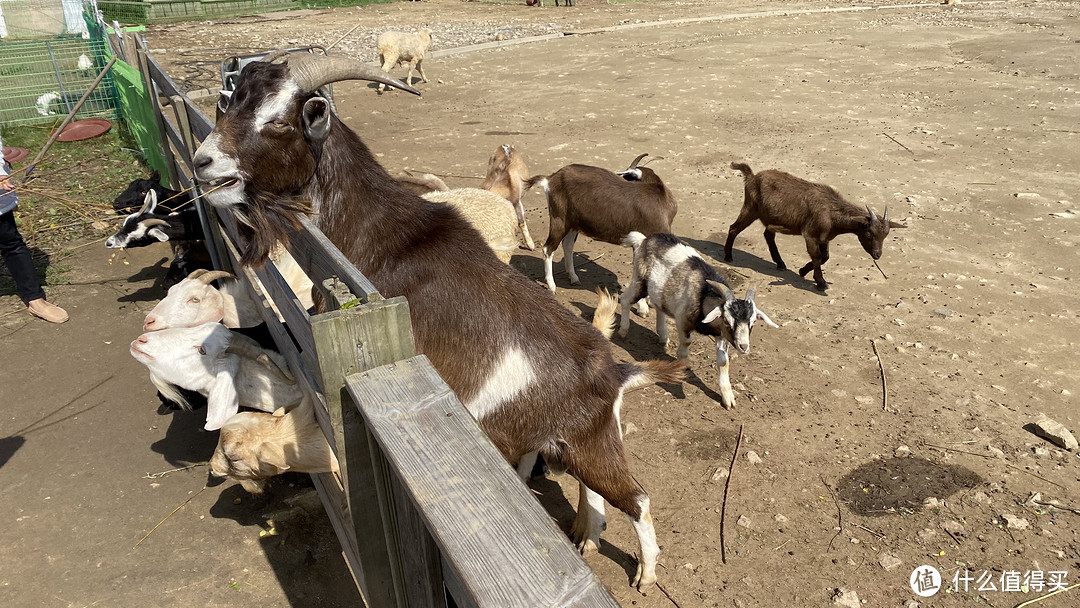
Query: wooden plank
{"points": [[421, 563], [498, 542], [348, 341], [183, 127], [322, 260]]}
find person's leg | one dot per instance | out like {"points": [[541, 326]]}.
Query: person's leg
{"points": [[20, 262]]}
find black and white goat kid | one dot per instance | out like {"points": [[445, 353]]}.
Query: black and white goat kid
{"points": [[681, 284]]}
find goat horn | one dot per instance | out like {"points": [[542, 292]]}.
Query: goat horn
{"points": [[637, 160], [247, 347], [149, 200], [211, 276], [873, 216], [885, 218], [311, 72], [155, 222], [273, 56]]}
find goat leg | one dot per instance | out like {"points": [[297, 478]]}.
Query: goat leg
{"points": [[815, 249], [589, 521], [727, 396], [770, 240]]}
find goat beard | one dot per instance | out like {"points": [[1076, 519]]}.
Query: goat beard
{"points": [[266, 221]]}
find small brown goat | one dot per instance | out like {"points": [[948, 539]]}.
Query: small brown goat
{"points": [[603, 205], [789, 205], [254, 446], [506, 177]]}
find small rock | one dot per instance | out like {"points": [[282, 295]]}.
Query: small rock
{"points": [[889, 562], [898, 322], [1025, 195], [743, 521], [780, 519], [1041, 452], [753, 457], [1014, 522], [1056, 433], [902, 452], [943, 312], [911, 604], [846, 598], [630, 428], [855, 541], [927, 534], [981, 498], [953, 527], [864, 400], [719, 474], [995, 452]]}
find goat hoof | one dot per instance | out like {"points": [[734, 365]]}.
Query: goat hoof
{"points": [[782, 267], [642, 582], [623, 332], [822, 287], [587, 547]]}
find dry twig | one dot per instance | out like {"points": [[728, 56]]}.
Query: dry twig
{"points": [[884, 382], [1043, 597], [898, 143], [166, 473], [880, 270], [664, 591], [190, 498], [839, 514], [727, 484]]}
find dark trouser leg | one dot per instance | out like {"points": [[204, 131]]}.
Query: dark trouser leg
{"points": [[18, 259]]}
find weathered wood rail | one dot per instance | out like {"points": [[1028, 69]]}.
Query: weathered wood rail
{"points": [[427, 511]]}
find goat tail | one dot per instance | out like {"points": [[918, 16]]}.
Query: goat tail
{"points": [[604, 317], [532, 181], [745, 168], [652, 371], [634, 239]]}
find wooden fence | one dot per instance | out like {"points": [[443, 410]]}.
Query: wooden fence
{"points": [[427, 511]]}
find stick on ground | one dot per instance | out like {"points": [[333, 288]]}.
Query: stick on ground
{"points": [[727, 485], [839, 514], [884, 382], [190, 498], [880, 270]]}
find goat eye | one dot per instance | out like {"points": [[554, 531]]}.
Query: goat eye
{"points": [[280, 124], [202, 349], [195, 300]]}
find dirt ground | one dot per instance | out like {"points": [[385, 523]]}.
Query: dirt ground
{"points": [[961, 118]]}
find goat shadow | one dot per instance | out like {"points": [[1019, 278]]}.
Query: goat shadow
{"points": [[185, 441], [41, 264], [591, 274], [8, 447], [156, 290], [551, 496], [745, 259], [894, 485], [299, 541]]}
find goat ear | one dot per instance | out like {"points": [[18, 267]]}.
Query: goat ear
{"points": [[724, 290], [224, 97], [316, 119], [709, 318], [271, 459], [157, 234], [279, 412], [893, 224], [156, 177], [764, 317]]}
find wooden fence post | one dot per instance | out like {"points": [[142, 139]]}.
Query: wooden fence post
{"points": [[350, 341]]}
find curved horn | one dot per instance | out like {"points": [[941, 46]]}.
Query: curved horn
{"points": [[873, 216], [273, 56], [311, 72], [885, 218], [637, 160], [244, 346], [155, 222], [149, 202], [212, 275]]}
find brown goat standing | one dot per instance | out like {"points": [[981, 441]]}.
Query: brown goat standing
{"points": [[603, 205], [790, 205], [506, 176], [538, 378]]}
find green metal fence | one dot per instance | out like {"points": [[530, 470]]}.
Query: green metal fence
{"points": [[164, 11], [41, 80]]}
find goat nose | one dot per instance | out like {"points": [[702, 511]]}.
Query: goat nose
{"points": [[149, 323], [744, 348], [142, 339], [203, 161]]}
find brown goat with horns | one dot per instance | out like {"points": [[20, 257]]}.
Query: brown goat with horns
{"points": [[538, 378], [790, 205]]}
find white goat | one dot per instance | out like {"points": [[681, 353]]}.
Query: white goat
{"points": [[488, 212], [195, 301], [682, 284], [397, 47], [254, 446], [229, 369]]}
